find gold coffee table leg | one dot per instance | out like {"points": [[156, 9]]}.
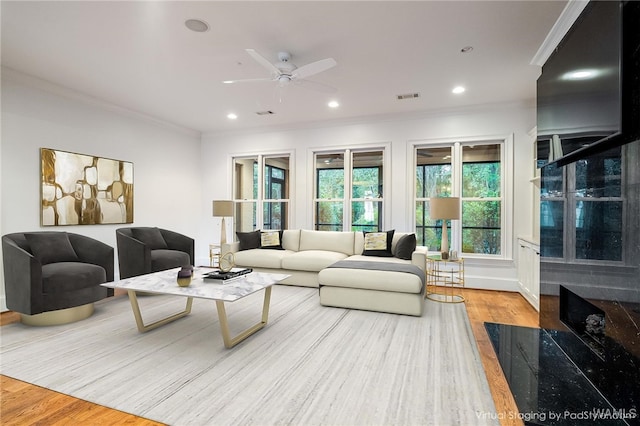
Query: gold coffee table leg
{"points": [[138, 315], [229, 341]]}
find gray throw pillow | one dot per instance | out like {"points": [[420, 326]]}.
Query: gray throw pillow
{"points": [[249, 240], [378, 243], [152, 237], [51, 247], [406, 246]]}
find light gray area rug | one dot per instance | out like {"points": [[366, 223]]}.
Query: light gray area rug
{"points": [[311, 365]]}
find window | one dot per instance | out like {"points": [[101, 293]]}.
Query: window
{"points": [[481, 199], [473, 172], [275, 193], [582, 208], [348, 190], [261, 192], [433, 179]]}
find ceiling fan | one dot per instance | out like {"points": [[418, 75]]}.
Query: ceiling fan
{"points": [[285, 72]]}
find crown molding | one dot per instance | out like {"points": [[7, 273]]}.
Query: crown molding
{"points": [[571, 12]]}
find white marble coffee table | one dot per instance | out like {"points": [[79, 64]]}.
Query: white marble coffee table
{"points": [[165, 282]]}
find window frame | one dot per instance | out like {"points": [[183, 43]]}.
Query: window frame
{"points": [[348, 199], [261, 200], [506, 188]]}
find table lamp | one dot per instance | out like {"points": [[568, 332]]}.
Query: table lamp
{"points": [[444, 208], [222, 208]]}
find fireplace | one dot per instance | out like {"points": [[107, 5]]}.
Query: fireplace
{"points": [[584, 319], [582, 366]]}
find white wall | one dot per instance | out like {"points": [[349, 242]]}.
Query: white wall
{"points": [[488, 121], [37, 114], [177, 173]]}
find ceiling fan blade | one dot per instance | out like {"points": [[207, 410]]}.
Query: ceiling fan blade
{"points": [[314, 85], [314, 68], [248, 80], [263, 61]]}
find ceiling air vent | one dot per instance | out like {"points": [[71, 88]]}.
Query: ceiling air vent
{"points": [[265, 112], [408, 96]]}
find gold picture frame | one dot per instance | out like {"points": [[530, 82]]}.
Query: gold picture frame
{"points": [[79, 189]]}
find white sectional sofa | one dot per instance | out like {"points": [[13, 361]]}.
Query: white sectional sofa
{"points": [[307, 255]]}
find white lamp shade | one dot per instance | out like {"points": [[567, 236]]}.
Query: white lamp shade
{"points": [[444, 208], [222, 208]]}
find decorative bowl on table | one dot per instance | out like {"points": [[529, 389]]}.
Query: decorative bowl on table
{"points": [[185, 275]]}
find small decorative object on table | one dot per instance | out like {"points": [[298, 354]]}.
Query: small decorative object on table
{"points": [[226, 262], [227, 275], [185, 275]]}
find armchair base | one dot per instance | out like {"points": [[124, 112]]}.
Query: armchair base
{"points": [[58, 317]]}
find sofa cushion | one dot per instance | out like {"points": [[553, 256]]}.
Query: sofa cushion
{"points": [[150, 236], [71, 276], [342, 242], [405, 247], [167, 259], [271, 240], [378, 243], [51, 247], [311, 260], [249, 240], [258, 258], [371, 279], [291, 239]]}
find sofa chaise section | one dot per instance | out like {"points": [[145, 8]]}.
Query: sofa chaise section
{"points": [[391, 287]]}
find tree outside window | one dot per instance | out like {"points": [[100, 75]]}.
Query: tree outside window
{"points": [[481, 199], [474, 173], [433, 179]]}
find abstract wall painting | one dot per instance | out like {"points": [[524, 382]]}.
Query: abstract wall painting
{"points": [[79, 189]]}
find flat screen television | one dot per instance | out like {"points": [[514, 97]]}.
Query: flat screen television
{"points": [[587, 95]]}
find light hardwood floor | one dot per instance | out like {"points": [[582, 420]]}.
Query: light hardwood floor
{"points": [[25, 404]]}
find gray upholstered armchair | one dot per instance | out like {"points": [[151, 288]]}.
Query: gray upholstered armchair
{"points": [[55, 272], [143, 250]]}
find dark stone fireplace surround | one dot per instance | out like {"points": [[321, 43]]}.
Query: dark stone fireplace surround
{"points": [[582, 366], [571, 371]]}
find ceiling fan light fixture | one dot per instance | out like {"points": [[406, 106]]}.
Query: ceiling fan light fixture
{"points": [[284, 72], [197, 25]]}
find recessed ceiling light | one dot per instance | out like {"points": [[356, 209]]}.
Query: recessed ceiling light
{"points": [[580, 74], [458, 89], [196, 25], [466, 49], [333, 104], [232, 116]]}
